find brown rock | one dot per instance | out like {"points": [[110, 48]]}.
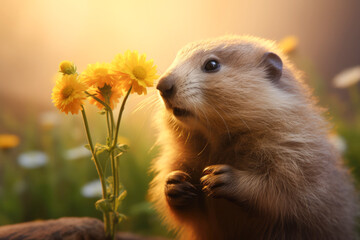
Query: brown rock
{"points": [[67, 228]]}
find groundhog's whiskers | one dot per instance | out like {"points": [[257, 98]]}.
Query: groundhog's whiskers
{"points": [[202, 150], [242, 120], [148, 102], [208, 125], [225, 124], [187, 138]]}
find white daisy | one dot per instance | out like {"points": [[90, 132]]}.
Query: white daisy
{"points": [[32, 159], [347, 77], [76, 153], [92, 189]]}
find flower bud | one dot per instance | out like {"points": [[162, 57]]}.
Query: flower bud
{"points": [[67, 67]]}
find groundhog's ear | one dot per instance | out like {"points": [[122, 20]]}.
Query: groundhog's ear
{"points": [[273, 66]]}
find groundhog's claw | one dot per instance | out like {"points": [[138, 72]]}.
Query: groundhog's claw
{"points": [[177, 177], [178, 190], [217, 169], [216, 181]]}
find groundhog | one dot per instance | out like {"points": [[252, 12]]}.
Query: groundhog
{"points": [[245, 152]]}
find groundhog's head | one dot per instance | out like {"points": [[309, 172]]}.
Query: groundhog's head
{"points": [[229, 83]]}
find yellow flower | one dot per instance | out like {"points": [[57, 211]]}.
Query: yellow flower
{"points": [[8, 141], [67, 67], [140, 73], [288, 44], [69, 93], [99, 74], [112, 93]]}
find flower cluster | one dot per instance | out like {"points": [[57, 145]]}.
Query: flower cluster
{"points": [[105, 83]]}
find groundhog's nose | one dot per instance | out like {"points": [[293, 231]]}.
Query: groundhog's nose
{"points": [[166, 86]]}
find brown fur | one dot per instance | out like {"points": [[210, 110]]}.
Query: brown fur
{"points": [[281, 178]]}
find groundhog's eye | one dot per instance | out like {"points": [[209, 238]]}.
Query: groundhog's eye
{"points": [[211, 66]]}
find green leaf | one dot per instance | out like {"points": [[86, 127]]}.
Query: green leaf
{"points": [[119, 200], [87, 146], [99, 147], [102, 154], [120, 217], [122, 147], [122, 196], [103, 205], [119, 155], [110, 188]]}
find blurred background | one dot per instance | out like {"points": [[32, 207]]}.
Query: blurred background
{"points": [[45, 172]]}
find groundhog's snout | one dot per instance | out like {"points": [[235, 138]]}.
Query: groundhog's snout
{"points": [[166, 86]]}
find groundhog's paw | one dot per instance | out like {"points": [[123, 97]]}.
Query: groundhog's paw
{"points": [[178, 190], [217, 181]]}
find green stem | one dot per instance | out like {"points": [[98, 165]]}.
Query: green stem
{"points": [[114, 163], [113, 225], [109, 125], [120, 115], [97, 163], [115, 185], [99, 100], [107, 108], [112, 123], [107, 224]]}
